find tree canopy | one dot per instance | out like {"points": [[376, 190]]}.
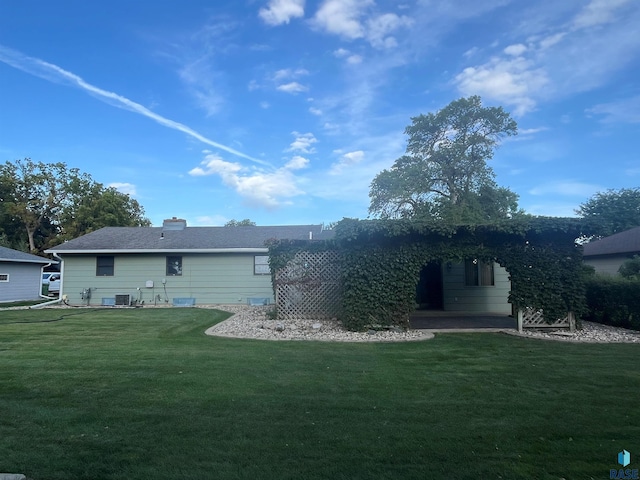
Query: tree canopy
{"points": [[240, 223], [613, 211], [42, 204], [444, 173]]}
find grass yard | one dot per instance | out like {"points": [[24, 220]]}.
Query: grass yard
{"points": [[144, 394]]}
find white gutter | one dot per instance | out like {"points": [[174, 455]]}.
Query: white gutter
{"points": [[41, 273], [112, 251], [59, 299], [46, 304]]}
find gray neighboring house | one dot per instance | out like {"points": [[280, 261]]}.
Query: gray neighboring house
{"points": [[173, 264], [20, 275], [608, 254]]}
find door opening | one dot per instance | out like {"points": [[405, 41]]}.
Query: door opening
{"points": [[429, 293]]}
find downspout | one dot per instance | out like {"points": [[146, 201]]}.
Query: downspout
{"points": [[59, 299], [42, 273]]}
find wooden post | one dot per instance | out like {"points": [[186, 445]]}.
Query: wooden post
{"points": [[520, 320], [572, 322]]}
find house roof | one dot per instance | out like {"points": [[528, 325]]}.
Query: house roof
{"points": [[619, 243], [11, 255], [187, 239]]}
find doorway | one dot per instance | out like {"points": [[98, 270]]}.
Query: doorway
{"points": [[429, 293]]}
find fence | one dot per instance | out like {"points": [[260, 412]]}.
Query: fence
{"points": [[309, 286]]}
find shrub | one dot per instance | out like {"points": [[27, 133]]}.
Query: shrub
{"points": [[613, 301]]}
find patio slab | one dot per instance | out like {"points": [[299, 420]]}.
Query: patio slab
{"points": [[460, 321]]}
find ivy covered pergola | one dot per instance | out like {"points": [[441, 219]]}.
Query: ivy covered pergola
{"points": [[378, 263]]}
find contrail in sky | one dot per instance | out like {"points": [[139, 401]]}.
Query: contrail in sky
{"points": [[53, 73]]}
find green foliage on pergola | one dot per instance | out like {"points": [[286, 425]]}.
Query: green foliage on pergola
{"points": [[382, 259]]}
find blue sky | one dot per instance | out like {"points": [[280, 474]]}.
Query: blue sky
{"points": [[283, 111]]}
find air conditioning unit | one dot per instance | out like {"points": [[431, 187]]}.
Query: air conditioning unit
{"points": [[124, 300]]}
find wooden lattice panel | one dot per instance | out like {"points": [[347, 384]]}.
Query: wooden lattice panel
{"points": [[532, 318], [309, 287]]}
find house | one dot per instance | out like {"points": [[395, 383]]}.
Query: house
{"points": [[20, 275], [173, 264], [608, 254]]}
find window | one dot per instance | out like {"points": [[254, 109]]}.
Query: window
{"points": [[174, 265], [104, 266], [478, 274], [4, 277], [261, 265]]}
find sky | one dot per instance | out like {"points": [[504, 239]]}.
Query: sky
{"points": [[283, 111]]}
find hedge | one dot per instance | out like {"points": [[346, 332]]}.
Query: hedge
{"points": [[613, 301]]}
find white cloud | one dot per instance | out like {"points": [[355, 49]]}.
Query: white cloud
{"points": [[379, 29], [566, 188], [297, 163], [512, 81], [278, 12], [126, 188], [351, 59], [292, 87], [515, 50], [598, 12], [350, 19], [342, 17], [347, 160], [53, 73], [621, 111], [341, 53], [303, 143], [551, 40], [288, 73], [200, 77], [267, 189], [315, 111]]}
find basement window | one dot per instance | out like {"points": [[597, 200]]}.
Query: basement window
{"points": [[478, 274]]}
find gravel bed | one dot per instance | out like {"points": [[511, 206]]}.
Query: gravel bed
{"points": [[590, 332], [251, 322]]}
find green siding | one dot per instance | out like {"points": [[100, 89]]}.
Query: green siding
{"points": [[608, 265], [487, 299], [209, 278]]}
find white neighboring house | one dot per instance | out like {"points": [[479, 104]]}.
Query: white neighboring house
{"points": [[609, 253], [20, 275]]}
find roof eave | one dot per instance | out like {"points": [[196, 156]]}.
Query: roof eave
{"points": [[158, 250]]}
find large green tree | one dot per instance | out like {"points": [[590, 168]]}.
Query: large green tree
{"points": [[444, 173], [44, 204], [613, 211]]}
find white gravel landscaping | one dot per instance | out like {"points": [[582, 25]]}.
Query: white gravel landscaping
{"points": [[251, 322]]}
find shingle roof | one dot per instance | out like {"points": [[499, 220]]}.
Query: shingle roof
{"points": [[623, 242], [190, 238], [11, 255]]}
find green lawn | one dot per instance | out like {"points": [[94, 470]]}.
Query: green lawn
{"points": [[144, 394]]}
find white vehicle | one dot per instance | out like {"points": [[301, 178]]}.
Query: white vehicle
{"points": [[54, 283]]}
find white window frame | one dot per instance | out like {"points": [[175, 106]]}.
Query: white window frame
{"points": [[4, 277], [261, 265]]}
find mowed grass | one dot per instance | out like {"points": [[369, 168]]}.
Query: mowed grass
{"points": [[144, 394]]}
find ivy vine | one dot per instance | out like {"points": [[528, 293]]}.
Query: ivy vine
{"points": [[382, 259]]}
